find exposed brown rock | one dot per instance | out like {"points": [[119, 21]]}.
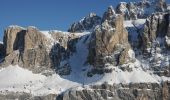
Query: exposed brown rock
{"points": [[26, 47], [165, 91], [124, 56], [10, 36], [105, 39]]}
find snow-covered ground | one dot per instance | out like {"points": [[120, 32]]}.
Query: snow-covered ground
{"points": [[17, 79], [77, 62], [137, 75]]}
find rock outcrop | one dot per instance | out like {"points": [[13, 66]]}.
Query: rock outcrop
{"points": [[141, 91], [157, 25], [61, 51], [108, 41], [141, 9], [37, 50], [86, 24], [2, 51], [26, 47], [155, 43]]}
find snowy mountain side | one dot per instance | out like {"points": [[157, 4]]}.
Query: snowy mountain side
{"points": [[122, 55]]}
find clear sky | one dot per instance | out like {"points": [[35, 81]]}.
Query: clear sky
{"points": [[49, 14]]}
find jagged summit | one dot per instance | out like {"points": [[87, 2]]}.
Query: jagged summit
{"points": [[85, 24], [130, 11], [109, 14]]}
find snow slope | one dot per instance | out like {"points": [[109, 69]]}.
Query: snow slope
{"points": [[125, 77], [17, 79], [137, 23], [77, 62]]}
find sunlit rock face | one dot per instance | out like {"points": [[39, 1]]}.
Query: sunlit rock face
{"points": [[26, 47], [140, 9], [37, 50], [107, 39]]}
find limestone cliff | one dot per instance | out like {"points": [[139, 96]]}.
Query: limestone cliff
{"points": [[107, 39]]}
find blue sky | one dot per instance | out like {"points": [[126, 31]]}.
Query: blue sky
{"points": [[49, 14]]}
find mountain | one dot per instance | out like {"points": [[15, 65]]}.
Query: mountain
{"points": [[122, 55]]}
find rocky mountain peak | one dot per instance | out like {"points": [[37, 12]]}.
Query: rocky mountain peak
{"points": [[121, 8], [109, 14], [106, 40], [85, 24], [92, 14]]}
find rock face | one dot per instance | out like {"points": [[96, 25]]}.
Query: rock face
{"points": [[155, 43], [105, 40], [157, 25], [9, 38], [141, 9], [32, 49], [26, 47], [86, 24], [141, 91], [61, 51], [2, 51]]}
